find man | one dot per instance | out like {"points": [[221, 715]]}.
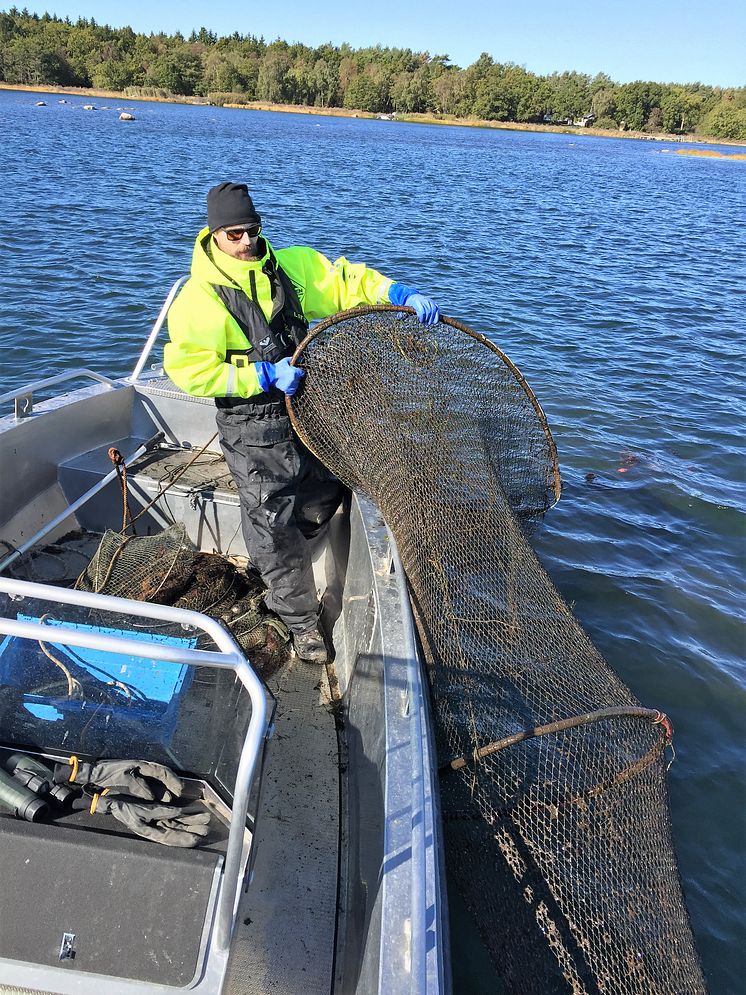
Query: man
{"points": [[233, 328]]}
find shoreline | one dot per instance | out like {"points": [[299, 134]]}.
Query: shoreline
{"points": [[444, 120]]}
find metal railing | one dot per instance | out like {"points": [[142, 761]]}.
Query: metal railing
{"points": [[24, 396], [229, 657], [140, 365], [418, 867]]}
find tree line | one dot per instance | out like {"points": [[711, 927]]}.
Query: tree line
{"points": [[47, 50]]}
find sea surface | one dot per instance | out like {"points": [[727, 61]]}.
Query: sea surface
{"points": [[611, 271]]}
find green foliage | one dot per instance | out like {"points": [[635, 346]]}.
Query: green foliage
{"points": [[275, 65], [570, 96], [603, 103], [230, 72], [219, 99], [35, 61], [726, 120], [111, 74], [635, 101], [412, 92], [654, 123], [46, 50], [366, 92], [680, 110], [326, 83], [178, 70]]}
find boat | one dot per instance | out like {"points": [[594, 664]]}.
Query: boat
{"points": [[322, 802], [323, 868]]}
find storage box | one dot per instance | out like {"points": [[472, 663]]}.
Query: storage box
{"points": [[94, 701]]}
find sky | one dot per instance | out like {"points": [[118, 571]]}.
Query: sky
{"points": [[668, 41]]}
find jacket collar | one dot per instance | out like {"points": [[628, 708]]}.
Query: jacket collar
{"points": [[214, 266]]}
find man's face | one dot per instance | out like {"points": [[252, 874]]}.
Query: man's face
{"points": [[239, 241]]}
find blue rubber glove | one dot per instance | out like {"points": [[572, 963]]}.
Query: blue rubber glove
{"points": [[426, 309], [282, 375]]}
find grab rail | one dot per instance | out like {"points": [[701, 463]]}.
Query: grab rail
{"points": [[228, 657], [139, 366], [418, 880], [24, 396]]}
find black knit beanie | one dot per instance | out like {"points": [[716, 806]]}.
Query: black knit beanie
{"points": [[230, 204]]}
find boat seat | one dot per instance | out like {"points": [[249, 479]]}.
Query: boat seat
{"points": [[131, 905]]}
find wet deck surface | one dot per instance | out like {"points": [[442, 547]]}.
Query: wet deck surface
{"points": [[284, 941]]}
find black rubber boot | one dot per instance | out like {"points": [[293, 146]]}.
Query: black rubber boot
{"points": [[310, 646]]}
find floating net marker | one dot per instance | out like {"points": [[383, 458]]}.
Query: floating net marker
{"points": [[552, 785]]}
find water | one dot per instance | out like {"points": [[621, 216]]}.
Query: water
{"points": [[611, 271]]}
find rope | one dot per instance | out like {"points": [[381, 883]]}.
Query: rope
{"points": [[73, 685], [121, 467], [95, 798], [173, 480]]}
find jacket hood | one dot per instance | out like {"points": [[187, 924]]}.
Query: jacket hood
{"points": [[222, 269]]}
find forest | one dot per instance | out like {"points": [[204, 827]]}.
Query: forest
{"points": [[39, 50]]}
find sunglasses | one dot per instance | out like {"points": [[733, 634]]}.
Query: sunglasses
{"points": [[236, 234]]}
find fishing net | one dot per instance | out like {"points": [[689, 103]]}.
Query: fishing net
{"points": [[166, 568], [552, 775]]}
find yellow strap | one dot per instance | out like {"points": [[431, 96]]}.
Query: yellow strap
{"points": [[73, 761], [94, 800]]}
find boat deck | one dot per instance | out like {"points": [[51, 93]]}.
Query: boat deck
{"points": [[286, 927], [286, 923]]}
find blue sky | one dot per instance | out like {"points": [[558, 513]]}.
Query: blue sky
{"points": [[663, 40]]}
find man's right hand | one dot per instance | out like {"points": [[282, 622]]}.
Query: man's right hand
{"points": [[282, 375]]}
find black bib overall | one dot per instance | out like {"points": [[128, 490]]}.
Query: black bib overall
{"points": [[286, 495]]}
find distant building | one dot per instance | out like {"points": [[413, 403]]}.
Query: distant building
{"points": [[579, 122]]}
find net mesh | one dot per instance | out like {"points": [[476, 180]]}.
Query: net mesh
{"points": [[561, 842], [166, 568]]}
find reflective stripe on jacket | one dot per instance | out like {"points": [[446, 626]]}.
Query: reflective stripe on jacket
{"points": [[207, 353]]}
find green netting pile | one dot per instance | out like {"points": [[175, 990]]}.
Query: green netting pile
{"points": [[553, 776], [167, 569]]}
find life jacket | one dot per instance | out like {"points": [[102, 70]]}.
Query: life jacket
{"points": [[269, 341]]}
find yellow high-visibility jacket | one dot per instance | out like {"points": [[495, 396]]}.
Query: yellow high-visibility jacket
{"points": [[202, 331]]}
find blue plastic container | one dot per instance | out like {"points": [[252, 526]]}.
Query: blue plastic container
{"points": [[117, 700]]}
